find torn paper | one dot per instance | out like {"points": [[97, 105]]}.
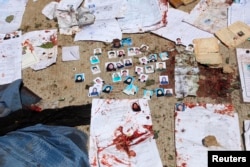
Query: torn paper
{"points": [[101, 30], [247, 134], [105, 28], [186, 75], [127, 140], [11, 14], [10, 57], [29, 56], [70, 16], [50, 10], [243, 59], [66, 5], [44, 44], [209, 15], [239, 12], [234, 35], [142, 16], [176, 28], [67, 21], [70, 53], [205, 127], [207, 51]]}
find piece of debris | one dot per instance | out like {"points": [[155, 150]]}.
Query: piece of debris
{"points": [[210, 141], [156, 134], [227, 69], [207, 52], [9, 18]]}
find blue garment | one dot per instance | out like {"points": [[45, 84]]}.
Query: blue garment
{"points": [[44, 146], [10, 99], [14, 96]]}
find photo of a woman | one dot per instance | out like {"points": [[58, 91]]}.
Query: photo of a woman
{"points": [[110, 67]]}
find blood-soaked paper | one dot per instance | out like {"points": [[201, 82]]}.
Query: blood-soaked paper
{"points": [[120, 136], [205, 127], [43, 45], [176, 28], [186, 75]]}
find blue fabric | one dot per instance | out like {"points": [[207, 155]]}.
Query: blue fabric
{"points": [[10, 99], [44, 146]]}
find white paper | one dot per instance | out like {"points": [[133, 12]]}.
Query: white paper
{"points": [[29, 56], [140, 14], [243, 57], [14, 8], [176, 28], [105, 27], [247, 134], [10, 58], [50, 10], [69, 5], [209, 16], [113, 120], [106, 9], [198, 122], [66, 19], [239, 12], [37, 40], [133, 16], [101, 30], [70, 53]]}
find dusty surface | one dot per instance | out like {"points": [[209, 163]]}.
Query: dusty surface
{"points": [[57, 81]]}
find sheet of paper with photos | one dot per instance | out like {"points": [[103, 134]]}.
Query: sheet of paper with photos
{"points": [[129, 65]]}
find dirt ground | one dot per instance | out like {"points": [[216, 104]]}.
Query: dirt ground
{"points": [[57, 81]]}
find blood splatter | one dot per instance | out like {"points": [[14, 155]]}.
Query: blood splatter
{"points": [[184, 164], [229, 110], [123, 142], [94, 162], [105, 162]]}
